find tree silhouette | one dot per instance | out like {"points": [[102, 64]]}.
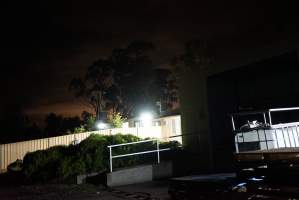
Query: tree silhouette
{"points": [[133, 72], [97, 88], [164, 88], [53, 124], [58, 125], [196, 54], [88, 121], [127, 81], [13, 123]]}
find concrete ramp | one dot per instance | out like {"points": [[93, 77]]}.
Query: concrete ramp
{"points": [[139, 174]]}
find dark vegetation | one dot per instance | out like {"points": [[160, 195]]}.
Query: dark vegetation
{"points": [[17, 127], [126, 81], [63, 163]]}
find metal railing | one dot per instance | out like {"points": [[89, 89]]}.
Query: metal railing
{"points": [[265, 113], [288, 132], [158, 150]]}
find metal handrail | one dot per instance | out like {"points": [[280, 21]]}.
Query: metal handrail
{"points": [[158, 150], [125, 144], [283, 109], [138, 153], [263, 112]]}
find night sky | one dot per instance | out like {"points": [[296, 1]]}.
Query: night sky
{"points": [[47, 43]]}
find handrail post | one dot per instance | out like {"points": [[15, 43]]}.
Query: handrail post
{"points": [[158, 152], [265, 120], [233, 123], [270, 120], [110, 158]]}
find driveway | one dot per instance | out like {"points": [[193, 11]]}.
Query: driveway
{"points": [[156, 190]]}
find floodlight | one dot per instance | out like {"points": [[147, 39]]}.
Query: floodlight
{"points": [[101, 125], [146, 118]]}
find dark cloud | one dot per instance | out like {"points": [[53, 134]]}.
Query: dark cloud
{"points": [[46, 43]]}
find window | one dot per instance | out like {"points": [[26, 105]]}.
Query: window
{"points": [[156, 123]]}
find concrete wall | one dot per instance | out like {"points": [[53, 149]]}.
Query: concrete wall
{"points": [[140, 174], [134, 175], [194, 117], [163, 170]]}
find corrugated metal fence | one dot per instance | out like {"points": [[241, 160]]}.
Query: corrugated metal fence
{"points": [[13, 151]]}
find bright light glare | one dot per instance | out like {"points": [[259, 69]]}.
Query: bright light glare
{"points": [[101, 125], [146, 118]]}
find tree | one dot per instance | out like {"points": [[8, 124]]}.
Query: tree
{"points": [[56, 124], [133, 71], [164, 88], [196, 54], [126, 82], [97, 89], [116, 120], [13, 123], [53, 124], [142, 84], [88, 120], [33, 131]]}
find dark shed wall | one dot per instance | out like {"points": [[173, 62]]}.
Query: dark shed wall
{"points": [[266, 84]]}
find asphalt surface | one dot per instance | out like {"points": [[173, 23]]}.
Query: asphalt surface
{"points": [[145, 191]]}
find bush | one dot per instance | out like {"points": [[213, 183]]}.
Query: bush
{"points": [[80, 129], [90, 123], [70, 166], [92, 152], [61, 162], [41, 165], [119, 139], [91, 155], [170, 144], [15, 166], [116, 120]]}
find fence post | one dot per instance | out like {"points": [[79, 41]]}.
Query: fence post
{"points": [[158, 151], [110, 158]]}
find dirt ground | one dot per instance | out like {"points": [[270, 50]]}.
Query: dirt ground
{"points": [[149, 191]]}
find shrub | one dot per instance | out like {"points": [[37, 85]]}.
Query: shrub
{"points": [[95, 153], [70, 166], [119, 139], [170, 144], [91, 155], [116, 120], [15, 166], [92, 152], [79, 129], [41, 165], [90, 123]]}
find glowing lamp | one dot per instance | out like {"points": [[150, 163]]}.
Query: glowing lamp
{"points": [[101, 125], [146, 118]]}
